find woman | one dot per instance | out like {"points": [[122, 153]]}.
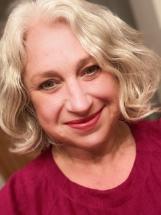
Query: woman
{"points": [[76, 83]]}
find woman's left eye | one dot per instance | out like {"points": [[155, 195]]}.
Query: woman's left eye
{"points": [[91, 70]]}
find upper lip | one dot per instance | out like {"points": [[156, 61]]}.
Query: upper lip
{"points": [[85, 119]]}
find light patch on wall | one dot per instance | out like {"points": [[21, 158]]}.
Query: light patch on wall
{"points": [[157, 7]]}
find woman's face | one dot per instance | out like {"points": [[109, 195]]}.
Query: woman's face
{"points": [[76, 102]]}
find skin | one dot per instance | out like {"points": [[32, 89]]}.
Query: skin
{"points": [[76, 104]]}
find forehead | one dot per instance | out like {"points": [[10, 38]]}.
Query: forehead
{"points": [[52, 45], [58, 37]]}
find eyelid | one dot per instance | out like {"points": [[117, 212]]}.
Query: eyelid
{"points": [[40, 86], [95, 68]]}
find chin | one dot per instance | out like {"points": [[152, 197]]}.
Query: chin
{"points": [[88, 142], [96, 138]]}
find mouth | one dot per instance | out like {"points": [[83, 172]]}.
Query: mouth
{"points": [[85, 123]]}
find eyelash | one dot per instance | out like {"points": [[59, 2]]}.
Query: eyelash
{"points": [[46, 85], [91, 71]]}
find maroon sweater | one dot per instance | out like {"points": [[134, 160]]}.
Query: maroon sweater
{"points": [[42, 189]]}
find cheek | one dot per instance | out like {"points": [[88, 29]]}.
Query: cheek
{"points": [[106, 88], [46, 107]]}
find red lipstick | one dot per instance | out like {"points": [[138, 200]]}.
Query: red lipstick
{"points": [[86, 123]]}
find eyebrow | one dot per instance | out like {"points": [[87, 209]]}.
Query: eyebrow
{"points": [[81, 63]]}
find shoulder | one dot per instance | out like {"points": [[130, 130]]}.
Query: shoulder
{"points": [[32, 173], [29, 184], [148, 143], [151, 125], [148, 134]]}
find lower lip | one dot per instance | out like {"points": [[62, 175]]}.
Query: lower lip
{"points": [[87, 125]]}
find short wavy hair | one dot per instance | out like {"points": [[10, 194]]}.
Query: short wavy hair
{"points": [[117, 48]]}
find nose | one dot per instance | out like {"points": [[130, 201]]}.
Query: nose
{"points": [[78, 101]]}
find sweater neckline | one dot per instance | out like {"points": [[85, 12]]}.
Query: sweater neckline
{"points": [[109, 198]]}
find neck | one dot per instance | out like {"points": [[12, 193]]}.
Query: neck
{"points": [[102, 168]]}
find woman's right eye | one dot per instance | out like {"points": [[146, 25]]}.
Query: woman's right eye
{"points": [[48, 85]]}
